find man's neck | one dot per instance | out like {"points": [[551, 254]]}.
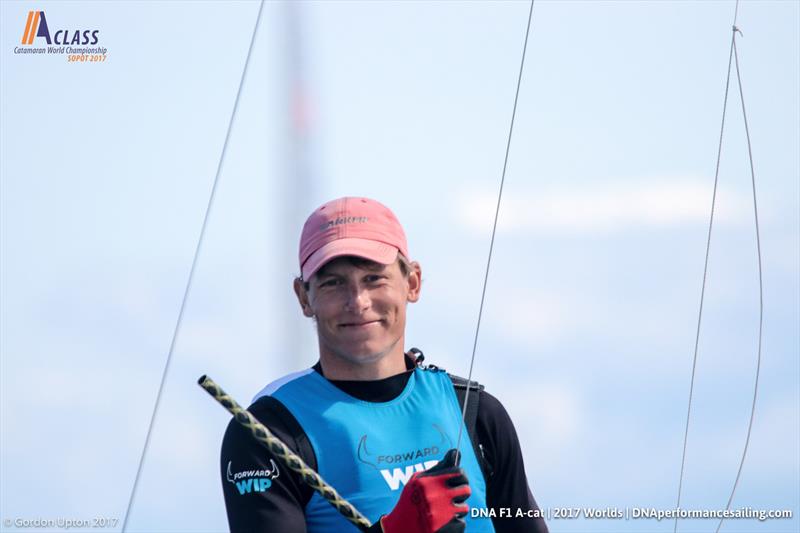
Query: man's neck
{"points": [[382, 390]]}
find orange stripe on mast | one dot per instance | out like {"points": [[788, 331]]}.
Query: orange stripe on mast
{"points": [[27, 27]]}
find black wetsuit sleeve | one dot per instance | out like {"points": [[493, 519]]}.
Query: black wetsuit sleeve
{"points": [[254, 505], [506, 484]]}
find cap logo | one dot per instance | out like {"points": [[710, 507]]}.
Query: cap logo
{"points": [[343, 220]]}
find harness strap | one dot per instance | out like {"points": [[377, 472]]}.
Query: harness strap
{"points": [[470, 421]]}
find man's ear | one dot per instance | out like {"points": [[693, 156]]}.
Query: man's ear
{"points": [[302, 297], [414, 282]]}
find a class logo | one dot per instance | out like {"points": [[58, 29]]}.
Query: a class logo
{"points": [[36, 26], [249, 481], [79, 44]]}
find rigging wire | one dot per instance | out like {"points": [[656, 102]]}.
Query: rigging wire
{"points": [[733, 58], [760, 281], [179, 321], [494, 231]]}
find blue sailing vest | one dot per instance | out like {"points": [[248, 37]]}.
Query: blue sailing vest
{"points": [[368, 451]]}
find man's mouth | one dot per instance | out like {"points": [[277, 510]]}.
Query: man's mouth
{"points": [[359, 324]]}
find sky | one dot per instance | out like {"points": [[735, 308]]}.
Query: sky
{"points": [[588, 330]]}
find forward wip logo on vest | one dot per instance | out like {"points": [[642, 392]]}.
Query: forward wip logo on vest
{"points": [[248, 481], [36, 26], [398, 465]]}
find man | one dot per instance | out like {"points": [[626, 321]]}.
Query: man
{"points": [[370, 418]]}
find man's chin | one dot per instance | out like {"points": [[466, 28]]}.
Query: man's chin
{"points": [[365, 357], [365, 354]]}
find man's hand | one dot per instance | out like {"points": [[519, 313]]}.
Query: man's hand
{"points": [[432, 501]]}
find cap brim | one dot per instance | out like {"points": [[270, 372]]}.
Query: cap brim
{"points": [[386, 254]]}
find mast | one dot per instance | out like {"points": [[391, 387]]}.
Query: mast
{"points": [[297, 185]]}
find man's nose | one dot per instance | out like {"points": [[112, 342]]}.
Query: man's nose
{"points": [[357, 297]]}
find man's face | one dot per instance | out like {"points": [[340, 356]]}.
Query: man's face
{"points": [[360, 307]]}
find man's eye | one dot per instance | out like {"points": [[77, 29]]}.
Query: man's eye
{"points": [[373, 278], [329, 283]]}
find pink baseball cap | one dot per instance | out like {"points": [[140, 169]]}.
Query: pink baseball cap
{"points": [[350, 226]]}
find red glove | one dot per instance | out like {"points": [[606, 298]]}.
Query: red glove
{"points": [[432, 501]]}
